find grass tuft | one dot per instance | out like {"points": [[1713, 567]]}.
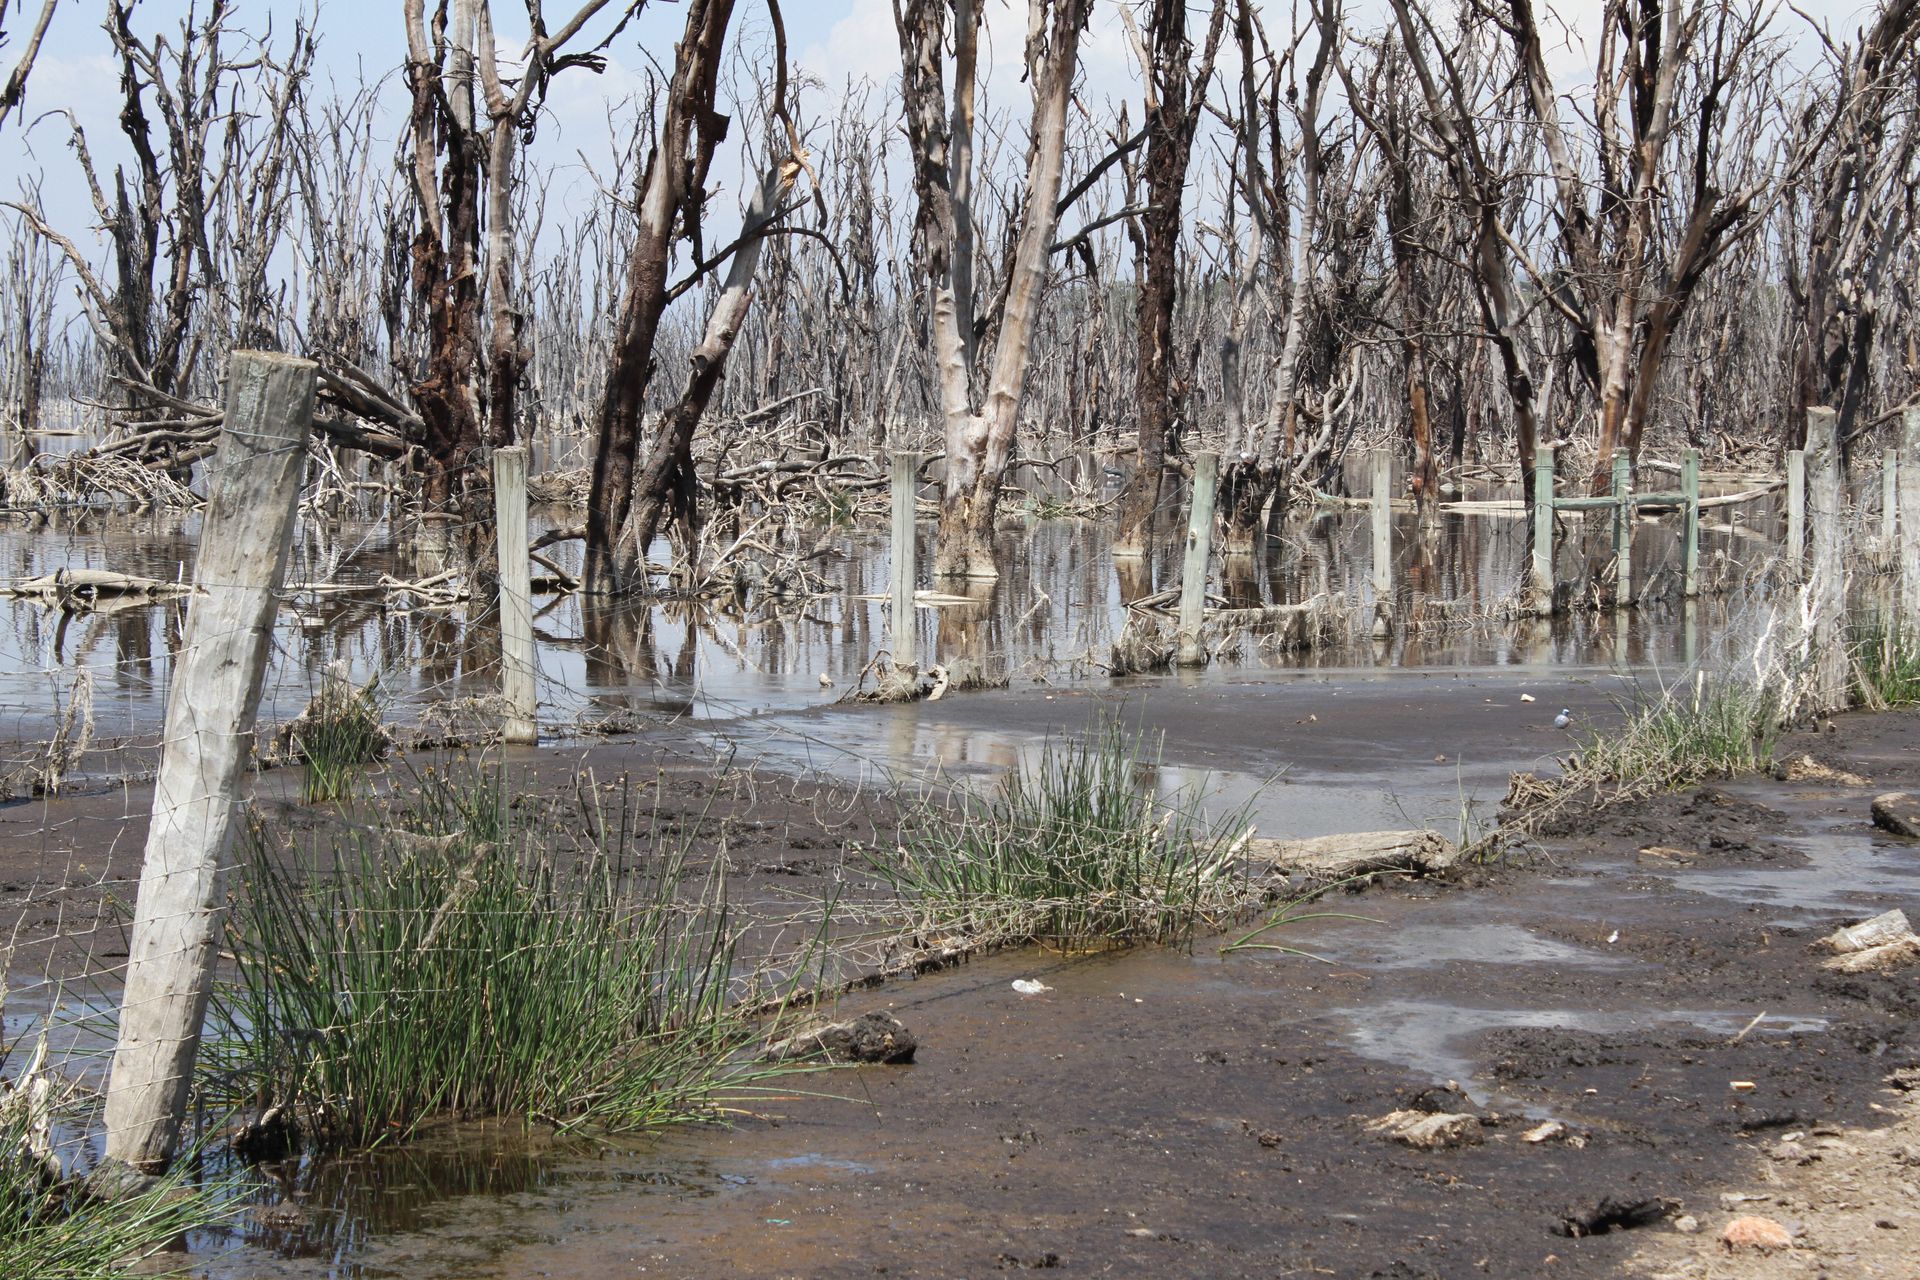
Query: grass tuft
{"points": [[50, 1229], [1885, 663], [1691, 731], [459, 954], [1071, 850], [338, 736]]}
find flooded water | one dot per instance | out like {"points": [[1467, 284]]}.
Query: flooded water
{"points": [[1050, 619]]}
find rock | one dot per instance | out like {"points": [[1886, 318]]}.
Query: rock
{"points": [[1427, 1131], [1754, 1232], [871, 1037], [1687, 1225], [1898, 812], [1792, 1152], [1613, 1213], [1553, 1131]]}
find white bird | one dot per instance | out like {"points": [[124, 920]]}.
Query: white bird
{"points": [[1564, 719]]}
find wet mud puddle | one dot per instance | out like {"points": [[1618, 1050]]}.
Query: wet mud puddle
{"points": [[1156, 1112]]}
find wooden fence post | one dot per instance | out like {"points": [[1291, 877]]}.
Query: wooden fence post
{"points": [[517, 662], [1796, 508], [1193, 574], [1690, 533], [1889, 506], [1910, 517], [1827, 581], [253, 491], [906, 478], [1381, 511], [1622, 530], [1542, 586]]}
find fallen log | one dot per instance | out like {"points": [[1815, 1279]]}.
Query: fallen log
{"points": [[81, 590], [1889, 926], [1340, 857]]}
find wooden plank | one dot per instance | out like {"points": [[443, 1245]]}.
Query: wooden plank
{"points": [[211, 709], [517, 660]]}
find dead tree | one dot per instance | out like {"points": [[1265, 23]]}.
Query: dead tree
{"points": [[15, 87], [980, 397], [190, 173], [1257, 462], [464, 166], [1862, 206], [1481, 188], [1176, 92], [670, 203], [1618, 286]]}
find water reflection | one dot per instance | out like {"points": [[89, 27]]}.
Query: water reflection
{"points": [[1053, 613]]}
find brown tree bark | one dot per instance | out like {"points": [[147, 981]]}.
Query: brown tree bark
{"points": [[670, 187], [1176, 97]]}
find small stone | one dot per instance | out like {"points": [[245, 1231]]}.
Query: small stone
{"points": [[1687, 1225], [1792, 1152], [1548, 1131], [1753, 1232], [1907, 1154], [1886, 1224]]}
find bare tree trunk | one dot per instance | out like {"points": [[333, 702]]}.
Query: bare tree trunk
{"points": [[667, 481], [673, 177], [1174, 106]]}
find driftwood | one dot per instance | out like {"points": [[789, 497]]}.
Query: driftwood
{"points": [[85, 590], [1362, 853], [1884, 942]]}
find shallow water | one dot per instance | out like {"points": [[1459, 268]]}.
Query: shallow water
{"points": [[1051, 617]]}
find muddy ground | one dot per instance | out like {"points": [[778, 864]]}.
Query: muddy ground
{"points": [[1172, 1114]]}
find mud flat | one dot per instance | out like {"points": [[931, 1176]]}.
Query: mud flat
{"points": [[1152, 1112]]}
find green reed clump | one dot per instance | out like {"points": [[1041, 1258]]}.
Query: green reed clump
{"points": [[1885, 663], [1073, 849], [1696, 729], [50, 1228], [339, 735], [460, 954]]}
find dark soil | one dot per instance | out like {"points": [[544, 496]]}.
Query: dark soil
{"points": [[1169, 1114]]}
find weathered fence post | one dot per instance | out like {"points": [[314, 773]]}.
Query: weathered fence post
{"points": [[1690, 531], [906, 473], [253, 490], [1542, 585], [1622, 529], [1889, 506], [1910, 516], [1193, 574], [1826, 584], [516, 596], [1796, 508], [1381, 511]]}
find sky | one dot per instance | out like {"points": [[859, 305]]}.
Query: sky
{"points": [[837, 41]]}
